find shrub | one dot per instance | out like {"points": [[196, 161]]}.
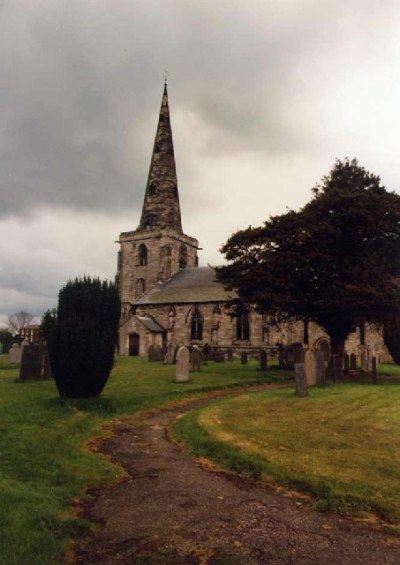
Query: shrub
{"points": [[83, 340]]}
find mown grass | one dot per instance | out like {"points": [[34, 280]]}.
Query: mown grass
{"points": [[341, 444], [43, 465]]}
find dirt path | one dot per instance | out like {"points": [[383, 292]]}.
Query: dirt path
{"points": [[173, 510]]}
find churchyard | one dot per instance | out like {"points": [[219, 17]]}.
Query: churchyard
{"points": [[46, 468]]}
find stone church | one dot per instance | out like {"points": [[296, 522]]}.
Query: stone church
{"points": [[168, 298]]}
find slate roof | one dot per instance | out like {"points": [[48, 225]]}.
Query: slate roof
{"points": [[196, 284], [150, 324]]}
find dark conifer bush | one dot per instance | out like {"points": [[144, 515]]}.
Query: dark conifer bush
{"points": [[391, 335], [82, 343]]}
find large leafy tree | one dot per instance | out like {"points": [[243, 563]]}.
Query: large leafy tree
{"points": [[334, 262]]}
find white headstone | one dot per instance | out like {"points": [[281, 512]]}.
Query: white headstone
{"points": [[182, 365], [15, 353]]}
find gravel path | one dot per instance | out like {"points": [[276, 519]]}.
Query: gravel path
{"points": [[174, 510]]}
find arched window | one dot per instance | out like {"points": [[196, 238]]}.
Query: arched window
{"points": [[182, 257], [142, 254], [196, 327], [140, 287], [242, 325]]}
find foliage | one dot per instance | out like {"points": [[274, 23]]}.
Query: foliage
{"points": [[83, 341], [44, 466], [48, 323], [16, 322], [6, 339], [333, 262], [340, 445], [391, 335]]}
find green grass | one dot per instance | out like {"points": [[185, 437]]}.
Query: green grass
{"points": [[341, 444], [43, 466]]}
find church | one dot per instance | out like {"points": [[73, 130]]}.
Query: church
{"points": [[168, 298]]}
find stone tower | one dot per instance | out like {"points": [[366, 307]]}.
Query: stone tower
{"points": [[158, 248]]}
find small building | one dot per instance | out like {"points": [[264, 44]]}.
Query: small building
{"points": [[30, 332]]}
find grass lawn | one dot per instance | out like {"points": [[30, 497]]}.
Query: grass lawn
{"points": [[341, 444], [43, 466]]}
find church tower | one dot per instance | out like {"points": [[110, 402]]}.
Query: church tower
{"points": [[158, 248]]}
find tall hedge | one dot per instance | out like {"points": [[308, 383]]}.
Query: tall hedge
{"points": [[83, 341]]}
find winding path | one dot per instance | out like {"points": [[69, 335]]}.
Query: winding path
{"points": [[175, 510]]}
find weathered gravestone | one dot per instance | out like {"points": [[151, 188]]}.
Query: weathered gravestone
{"points": [[336, 367], [182, 365], [32, 361], [298, 354], [320, 368], [300, 379], [206, 353], [230, 354], [170, 354], [346, 362], [310, 367], [196, 359], [151, 353], [158, 353], [15, 353], [263, 360], [243, 358], [219, 356], [353, 361], [374, 370]]}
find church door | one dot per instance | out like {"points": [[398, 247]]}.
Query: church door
{"points": [[133, 344]]}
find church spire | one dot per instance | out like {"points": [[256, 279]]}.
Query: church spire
{"points": [[161, 201]]}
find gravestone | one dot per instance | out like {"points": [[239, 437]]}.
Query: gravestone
{"points": [[263, 360], [243, 358], [31, 361], [158, 353], [15, 353], [374, 370], [320, 368], [206, 352], [353, 361], [182, 365], [346, 362], [300, 379], [219, 356], [310, 367], [151, 353], [170, 354], [230, 354], [196, 359], [298, 355], [336, 368]]}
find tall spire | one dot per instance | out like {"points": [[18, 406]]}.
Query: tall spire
{"points": [[161, 201]]}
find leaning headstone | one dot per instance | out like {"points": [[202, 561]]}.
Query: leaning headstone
{"points": [[196, 359], [320, 368], [170, 354], [353, 361], [300, 379], [182, 365], [15, 353], [346, 362], [243, 358], [151, 353], [336, 368], [263, 360], [219, 356], [230, 354], [31, 361], [374, 370], [310, 367]]}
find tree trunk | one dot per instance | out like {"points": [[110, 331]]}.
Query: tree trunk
{"points": [[337, 353]]}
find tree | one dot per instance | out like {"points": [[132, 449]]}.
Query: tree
{"points": [[48, 324], [83, 338], [6, 339], [16, 322], [391, 335], [334, 262]]}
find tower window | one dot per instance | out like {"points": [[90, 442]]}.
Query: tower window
{"points": [[140, 287], [242, 325], [196, 327], [142, 254], [183, 257]]}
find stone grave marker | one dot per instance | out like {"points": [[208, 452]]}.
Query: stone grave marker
{"points": [[300, 379], [182, 365], [196, 359], [298, 355], [158, 353], [151, 353], [32, 361], [219, 356], [243, 358], [353, 361], [320, 368], [170, 354], [15, 353], [263, 360], [310, 367], [230, 354], [374, 370]]}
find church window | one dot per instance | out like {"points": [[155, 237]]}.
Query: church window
{"points": [[142, 255], [140, 287], [183, 257], [196, 328], [217, 309], [242, 325]]}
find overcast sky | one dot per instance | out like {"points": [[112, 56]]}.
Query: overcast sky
{"points": [[264, 95]]}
